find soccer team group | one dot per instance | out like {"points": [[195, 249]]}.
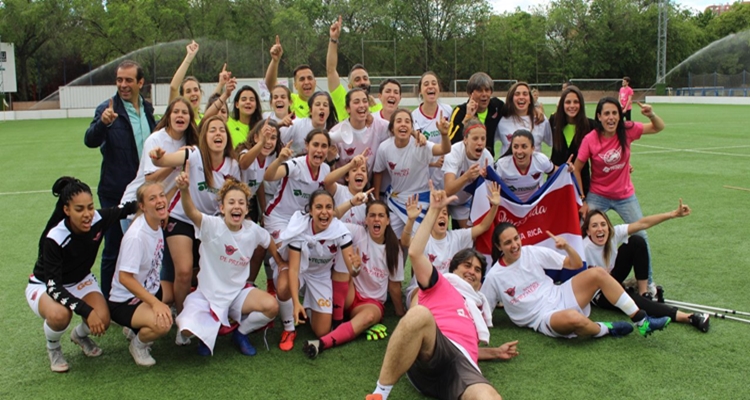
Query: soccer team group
{"points": [[331, 192]]}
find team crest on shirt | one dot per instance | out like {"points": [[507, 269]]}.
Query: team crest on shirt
{"points": [[230, 249], [365, 259], [432, 257], [332, 248], [612, 156], [321, 185], [392, 165], [537, 175], [33, 295], [275, 234], [511, 291], [322, 241], [170, 226], [509, 137], [350, 151]]}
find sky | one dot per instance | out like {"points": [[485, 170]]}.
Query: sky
{"points": [[510, 5]]}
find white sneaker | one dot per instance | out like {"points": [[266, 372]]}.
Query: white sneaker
{"points": [[141, 355], [181, 340], [652, 289], [129, 334], [57, 362], [89, 347]]}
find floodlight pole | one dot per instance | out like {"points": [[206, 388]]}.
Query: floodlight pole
{"points": [[661, 52]]}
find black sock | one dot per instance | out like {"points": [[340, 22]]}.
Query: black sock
{"points": [[638, 317]]}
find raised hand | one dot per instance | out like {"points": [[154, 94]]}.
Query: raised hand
{"points": [[266, 131], [473, 172], [682, 210], [109, 115], [413, 207], [560, 243], [192, 49], [646, 109], [438, 198], [224, 75], [156, 153], [355, 260], [494, 196], [183, 179], [471, 108], [335, 31], [361, 198], [286, 152], [276, 50], [231, 85], [443, 125], [288, 120]]}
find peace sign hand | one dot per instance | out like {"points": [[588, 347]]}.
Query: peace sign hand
{"points": [[355, 260]]}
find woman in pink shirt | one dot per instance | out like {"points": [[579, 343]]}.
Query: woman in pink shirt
{"points": [[608, 149]]}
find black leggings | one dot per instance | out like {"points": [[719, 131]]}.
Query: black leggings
{"points": [[634, 256]]}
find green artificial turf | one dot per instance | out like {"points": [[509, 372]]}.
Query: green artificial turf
{"points": [[699, 259]]}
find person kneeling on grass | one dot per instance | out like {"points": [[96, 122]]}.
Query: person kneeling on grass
{"points": [[531, 299], [377, 251], [136, 301], [615, 250], [228, 242], [436, 342]]}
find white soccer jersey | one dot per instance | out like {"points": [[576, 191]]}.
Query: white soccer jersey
{"points": [[595, 254], [293, 194], [523, 185], [370, 137], [372, 281], [272, 115], [321, 258], [408, 167], [542, 132], [225, 259], [427, 125], [204, 197], [141, 254], [355, 215], [253, 175], [523, 287], [297, 132], [161, 139], [379, 116], [457, 163], [440, 252]]}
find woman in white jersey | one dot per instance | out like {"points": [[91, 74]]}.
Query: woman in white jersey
{"points": [[522, 168], [281, 106], [322, 117], [532, 300], [382, 271], [467, 161], [519, 114], [310, 243], [426, 118], [618, 251], [175, 129], [390, 97], [407, 164], [444, 243], [188, 87], [365, 139], [136, 301], [354, 173], [227, 243], [210, 165]]}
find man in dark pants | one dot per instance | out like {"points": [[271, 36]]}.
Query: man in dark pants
{"points": [[120, 127]]}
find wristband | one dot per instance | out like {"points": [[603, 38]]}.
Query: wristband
{"points": [[332, 40]]}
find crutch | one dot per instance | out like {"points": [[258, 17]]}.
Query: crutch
{"points": [[695, 307]]}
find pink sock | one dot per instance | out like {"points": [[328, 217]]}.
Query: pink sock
{"points": [[344, 333], [340, 290]]}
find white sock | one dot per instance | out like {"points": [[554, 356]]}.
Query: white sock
{"points": [[383, 390], [286, 311], [254, 321], [603, 330], [82, 330], [140, 344], [53, 336], [626, 304]]}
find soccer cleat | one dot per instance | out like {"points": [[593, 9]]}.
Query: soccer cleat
{"points": [[141, 355], [651, 324], [312, 348], [57, 362], [242, 341], [90, 349], [377, 332], [700, 321], [128, 333], [181, 340], [203, 350], [618, 329], [287, 340], [270, 287], [374, 397], [660, 294]]}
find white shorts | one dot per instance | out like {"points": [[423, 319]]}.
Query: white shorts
{"points": [[566, 300], [460, 212], [274, 225], [36, 288], [198, 317], [318, 292]]}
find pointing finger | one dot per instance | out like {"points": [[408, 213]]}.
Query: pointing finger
{"points": [[570, 159], [639, 104], [429, 182], [110, 103], [680, 204], [339, 20], [277, 40], [289, 145], [551, 235], [224, 68]]}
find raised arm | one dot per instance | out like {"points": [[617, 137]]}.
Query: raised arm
{"points": [[445, 142], [573, 260], [339, 173], [494, 198], [413, 209], [655, 125], [179, 75], [272, 72], [183, 183], [171, 160], [332, 58], [97, 132], [247, 159], [230, 84], [420, 263], [356, 200], [274, 172], [646, 222]]}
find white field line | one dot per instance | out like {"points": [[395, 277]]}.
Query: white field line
{"points": [[28, 192], [706, 150]]}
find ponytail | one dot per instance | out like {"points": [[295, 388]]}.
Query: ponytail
{"points": [[64, 188]]}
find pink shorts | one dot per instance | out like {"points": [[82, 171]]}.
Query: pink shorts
{"points": [[361, 301]]}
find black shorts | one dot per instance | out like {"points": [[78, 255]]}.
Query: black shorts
{"points": [[447, 374], [122, 313], [254, 210], [175, 228]]}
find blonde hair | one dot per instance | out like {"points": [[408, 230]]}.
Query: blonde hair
{"points": [[141, 192]]}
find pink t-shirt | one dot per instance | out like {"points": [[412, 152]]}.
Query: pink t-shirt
{"points": [[451, 315], [610, 166], [625, 93]]}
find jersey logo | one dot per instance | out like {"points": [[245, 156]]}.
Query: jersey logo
{"points": [[432, 257], [170, 226], [322, 241], [275, 234], [321, 185], [365, 259], [537, 175], [332, 248], [98, 236], [392, 165], [509, 137], [350, 151], [33, 295], [611, 157], [511, 291], [230, 249]]}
